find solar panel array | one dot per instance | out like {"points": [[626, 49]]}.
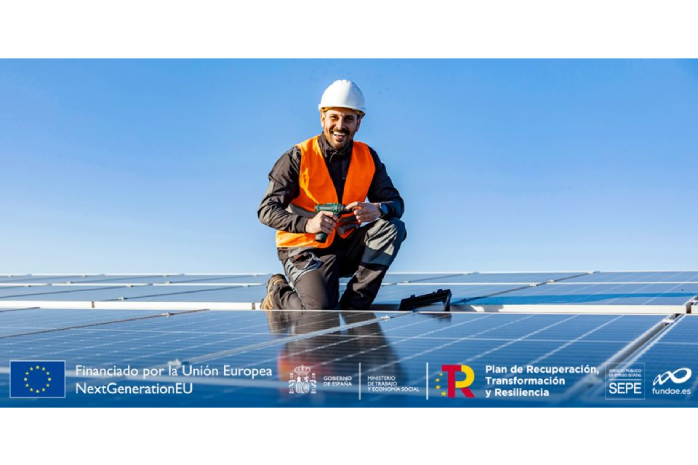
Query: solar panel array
{"points": [[634, 292], [564, 330]]}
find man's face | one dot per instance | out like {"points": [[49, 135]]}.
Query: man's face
{"points": [[339, 126]]}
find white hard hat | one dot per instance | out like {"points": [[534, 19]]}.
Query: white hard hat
{"points": [[343, 94]]}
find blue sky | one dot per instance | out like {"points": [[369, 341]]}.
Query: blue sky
{"points": [[159, 165]]}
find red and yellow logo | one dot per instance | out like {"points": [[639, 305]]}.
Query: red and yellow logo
{"points": [[452, 384]]}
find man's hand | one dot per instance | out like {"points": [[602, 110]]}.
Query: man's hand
{"points": [[322, 222], [365, 212]]}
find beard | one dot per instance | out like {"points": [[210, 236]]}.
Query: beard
{"points": [[338, 139]]}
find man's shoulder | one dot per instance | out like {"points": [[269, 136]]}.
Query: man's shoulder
{"points": [[373, 152], [370, 149], [287, 164]]}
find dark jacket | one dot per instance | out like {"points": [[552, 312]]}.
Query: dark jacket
{"points": [[283, 186]]}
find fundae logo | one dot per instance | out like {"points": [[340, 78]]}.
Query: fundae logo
{"points": [[669, 375]]}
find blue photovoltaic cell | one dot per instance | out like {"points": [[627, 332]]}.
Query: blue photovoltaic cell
{"points": [[76, 279], [415, 277], [639, 277], [38, 279], [506, 278], [597, 294], [676, 348], [29, 320], [398, 346], [43, 292], [96, 293], [184, 278], [4, 288], [392, 295], [142, 279], [239, 294]]}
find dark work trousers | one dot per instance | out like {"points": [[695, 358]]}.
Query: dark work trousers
{"points": [[314, 273]]}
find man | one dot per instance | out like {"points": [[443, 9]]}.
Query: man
{"points": [[332, 168]]}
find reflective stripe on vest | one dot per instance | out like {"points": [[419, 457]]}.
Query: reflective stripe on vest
{"points": [[316, 187]]}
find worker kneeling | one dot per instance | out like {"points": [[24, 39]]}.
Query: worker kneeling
{"points": [[316, 200]]}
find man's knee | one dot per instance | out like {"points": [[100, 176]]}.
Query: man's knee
{"points": [[391, 228], [319, 300], [317, 290]]}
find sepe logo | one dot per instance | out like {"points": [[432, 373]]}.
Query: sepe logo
{"points": [[625, 382], [302, 381], [678, 376], [452, 383], [37, 379]]}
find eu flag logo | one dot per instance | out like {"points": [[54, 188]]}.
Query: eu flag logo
{"points": [[37, 379]]}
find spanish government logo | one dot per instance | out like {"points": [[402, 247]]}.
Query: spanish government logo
{"points": [[37, 379], [302, 381]]}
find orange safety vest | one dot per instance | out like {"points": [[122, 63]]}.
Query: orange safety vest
{"points": [[316, 187]]}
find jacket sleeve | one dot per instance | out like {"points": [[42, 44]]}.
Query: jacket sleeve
{"points": [[283, 187], [382, 189]]}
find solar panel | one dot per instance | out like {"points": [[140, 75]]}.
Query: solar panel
{"points": [[669, 363], [378, 358], [69, 279], [393, 278], [97, 293], [53, 292], [241, 296], [28, 278], [638, 277], [506, 278], [392, 295], [397, 347], [389, 296], [4, 286], [3, 310], [184, 278], [650, 297], [139, 279], [32, 320]]}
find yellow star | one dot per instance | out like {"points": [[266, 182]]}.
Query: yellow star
{"points": [[37, 367], [443, 394], [48, 385], [27, 373], [31, 389], [441, 374], [438, 387], [43, 368], [49, 379], [27, 385], [438, 379], [31, 368], [25, 379], [47, 373], [43, 389]]}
